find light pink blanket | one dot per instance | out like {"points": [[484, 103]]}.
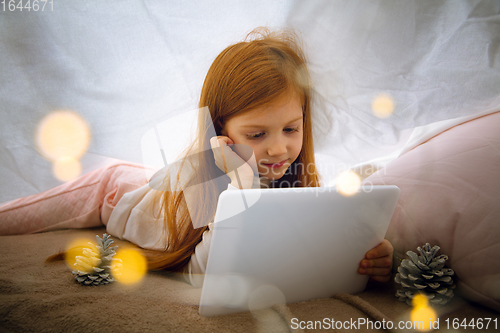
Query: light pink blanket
{"points": [[82, 203]]}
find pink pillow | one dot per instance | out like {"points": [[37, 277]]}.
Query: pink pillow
{"points": [[450, 196]]}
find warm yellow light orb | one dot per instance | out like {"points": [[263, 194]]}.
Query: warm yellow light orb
{"points": [[383, 106], [62, 134], [348, 183], [78, 248], [129, 266], [422, 314], [67, 168]]}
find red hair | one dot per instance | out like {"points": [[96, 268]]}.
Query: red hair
{"points": [[243, 77]]}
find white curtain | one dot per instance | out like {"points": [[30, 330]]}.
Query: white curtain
{"points": [[126, 66]]}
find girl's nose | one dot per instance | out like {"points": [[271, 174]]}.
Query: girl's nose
{"points": [[277, 147]]}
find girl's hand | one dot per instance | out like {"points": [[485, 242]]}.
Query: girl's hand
{"points": [[240, 172], [378, 262]]}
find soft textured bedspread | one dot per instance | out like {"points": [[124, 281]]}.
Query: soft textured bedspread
{"points": [[40, 297]]}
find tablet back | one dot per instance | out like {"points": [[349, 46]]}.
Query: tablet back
{"points": [[291, 245]]}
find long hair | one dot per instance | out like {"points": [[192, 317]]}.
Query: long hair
{"points": [[243, 77]]}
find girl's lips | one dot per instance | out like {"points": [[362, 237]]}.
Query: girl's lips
{"points": [[275, 165]]}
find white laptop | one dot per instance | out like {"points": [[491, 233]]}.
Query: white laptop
{"points": [[288, 245]]}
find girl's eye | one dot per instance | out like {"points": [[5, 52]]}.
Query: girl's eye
{"points": [[291, 129], [254, 136]]}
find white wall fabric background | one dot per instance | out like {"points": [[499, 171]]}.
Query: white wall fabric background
{"points": [[125, 66]]}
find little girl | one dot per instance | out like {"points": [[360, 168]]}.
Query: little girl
{"points": [[258, 94]]}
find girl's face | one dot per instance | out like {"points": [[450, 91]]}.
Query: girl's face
{"points": [[274, 132]]}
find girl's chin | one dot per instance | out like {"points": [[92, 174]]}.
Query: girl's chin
{"points": [[271, 176], [274, 174]]}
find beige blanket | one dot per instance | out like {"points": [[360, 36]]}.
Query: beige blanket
{"points": [[40, 297]]}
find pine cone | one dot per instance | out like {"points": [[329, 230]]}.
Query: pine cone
{"points": [[94, 267], [425, 275]]}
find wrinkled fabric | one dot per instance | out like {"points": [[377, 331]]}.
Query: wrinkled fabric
{"points": [[450, 194], [125, 69]]}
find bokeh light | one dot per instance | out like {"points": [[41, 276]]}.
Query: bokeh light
{"points": [[67, 168], [265, 296], [422, 313], [63, 137], [129, 266], [78, 248], [229, 290], [63, 134], [383, 105], [348, 183]]}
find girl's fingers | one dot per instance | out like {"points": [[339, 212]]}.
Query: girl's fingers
{"points": [[217, 144], [228, 160], [384, 262], [216, 141], [382, 250], [225, 158], [220, 141], [379, 269]]}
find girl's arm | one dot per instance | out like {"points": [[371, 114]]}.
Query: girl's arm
{"points": [[378, 262]]}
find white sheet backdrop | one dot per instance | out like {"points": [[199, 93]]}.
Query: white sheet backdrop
{"points": [[125, 66]]}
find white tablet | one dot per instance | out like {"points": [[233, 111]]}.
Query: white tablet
{"points": [[288, 245]]}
